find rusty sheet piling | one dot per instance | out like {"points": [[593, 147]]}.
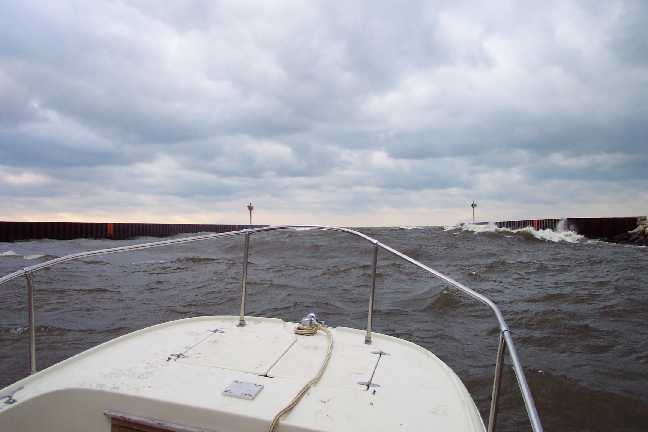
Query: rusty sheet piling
{"points": [[595, 228], [16, 231]]}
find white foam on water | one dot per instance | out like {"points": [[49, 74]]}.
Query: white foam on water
{"points": [[544, 234], [149, 262], [409, 227], [11, 253], [480, 228], [556, 236], [452, 227], [33, 257], [18, 330]]}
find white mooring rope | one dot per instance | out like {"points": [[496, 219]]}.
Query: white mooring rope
{"points": [[306, 330]]}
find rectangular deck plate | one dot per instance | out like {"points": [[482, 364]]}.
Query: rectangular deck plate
{"points": [[243, 390]]}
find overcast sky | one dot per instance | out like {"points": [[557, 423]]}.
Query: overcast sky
{"points": [[374, 113]]}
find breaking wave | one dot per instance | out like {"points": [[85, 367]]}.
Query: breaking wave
{"points": [[33, 256], [543, 234], [13, 254]]}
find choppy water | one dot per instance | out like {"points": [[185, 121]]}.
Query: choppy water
{"points": [[578, 309]]}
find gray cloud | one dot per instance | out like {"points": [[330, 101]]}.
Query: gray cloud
{"points": [[363, 112]]}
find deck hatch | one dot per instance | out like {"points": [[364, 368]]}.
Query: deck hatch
{"points": [[243, 390]]}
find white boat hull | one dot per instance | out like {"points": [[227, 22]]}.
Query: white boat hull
{"points": [[177, 373]]}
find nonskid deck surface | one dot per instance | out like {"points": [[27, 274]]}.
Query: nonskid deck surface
{"points": [[178, 372]]}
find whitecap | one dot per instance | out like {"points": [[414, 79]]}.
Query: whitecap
{"points": [[543, 234], [33, 257]]}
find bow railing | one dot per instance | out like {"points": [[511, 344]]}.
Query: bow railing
{"points": [[505, 339]]}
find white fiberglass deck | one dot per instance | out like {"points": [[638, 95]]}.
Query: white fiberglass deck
{"points": [[177, 372]]}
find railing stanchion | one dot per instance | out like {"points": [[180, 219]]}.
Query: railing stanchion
{"points": [[246, 248], [499, 365], [31, 318], [529, 404], [372, 291]]}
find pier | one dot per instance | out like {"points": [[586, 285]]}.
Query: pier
{"points": [[15, 231], [594, 228]]}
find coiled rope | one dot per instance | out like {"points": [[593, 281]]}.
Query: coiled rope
{"points": [[304, 329]]}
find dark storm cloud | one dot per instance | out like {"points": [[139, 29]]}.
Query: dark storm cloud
{"points": [[372, 103]]}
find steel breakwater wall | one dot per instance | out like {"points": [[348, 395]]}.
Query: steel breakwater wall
{"points": [[13, 231], [537, 224], [598, 228]]}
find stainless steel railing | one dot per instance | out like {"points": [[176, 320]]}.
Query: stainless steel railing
{"points": [[505, 338]]}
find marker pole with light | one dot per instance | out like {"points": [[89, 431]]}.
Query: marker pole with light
{"points": [[473, 205], [250, 207]]}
